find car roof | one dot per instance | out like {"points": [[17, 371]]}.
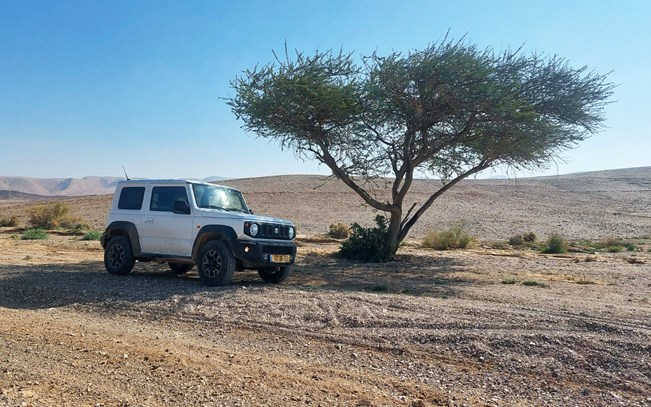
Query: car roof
{"points": [[171, 181]]}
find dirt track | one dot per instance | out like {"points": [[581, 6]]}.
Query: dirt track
{"points": [[435, 328]]}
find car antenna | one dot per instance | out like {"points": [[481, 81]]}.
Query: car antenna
{"points": [[125, 173]]}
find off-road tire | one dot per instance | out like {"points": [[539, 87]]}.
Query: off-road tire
{"points": [[215, 263], [118, 256], [180, 268], [274, 275]]}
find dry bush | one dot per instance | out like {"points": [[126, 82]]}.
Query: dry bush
{"points": [[453, 238], [339, 231], [54, 215], [11, 222]]}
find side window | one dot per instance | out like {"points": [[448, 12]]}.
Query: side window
{"points": [[131, 198], [163, 198]]}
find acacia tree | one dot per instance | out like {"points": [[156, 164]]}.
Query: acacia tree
{"points": [[450, 110]]}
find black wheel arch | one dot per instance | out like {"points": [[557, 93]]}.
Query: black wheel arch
{"points": [[123, 228], [212, 232]]}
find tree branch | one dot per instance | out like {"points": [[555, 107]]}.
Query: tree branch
{"points": [[407, 224]]}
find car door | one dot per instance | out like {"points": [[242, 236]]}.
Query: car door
{"points": [[165, 231]]}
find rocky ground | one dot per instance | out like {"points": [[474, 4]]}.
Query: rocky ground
{"points": [[477, 327], [488, 326]]}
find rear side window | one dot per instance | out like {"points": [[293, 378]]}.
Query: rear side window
{"points": [[163, 198], [131, 198]]}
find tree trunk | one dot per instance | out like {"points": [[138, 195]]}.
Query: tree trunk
{"points": [[392, 242]]}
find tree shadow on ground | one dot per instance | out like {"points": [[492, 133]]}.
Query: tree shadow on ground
{"points": [[411, 275], [55, 285]]}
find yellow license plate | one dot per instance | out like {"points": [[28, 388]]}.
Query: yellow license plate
{"points": [[280, 258]]}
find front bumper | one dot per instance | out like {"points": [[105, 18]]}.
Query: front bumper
{"points": [[259, 254]]}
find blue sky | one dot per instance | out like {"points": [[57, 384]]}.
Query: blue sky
{"points": [[88, 86]]}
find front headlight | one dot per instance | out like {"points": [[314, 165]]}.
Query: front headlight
{"points": [[253, 229], [292, 232]]}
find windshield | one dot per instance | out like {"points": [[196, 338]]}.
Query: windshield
{"points": [[216, 197]]}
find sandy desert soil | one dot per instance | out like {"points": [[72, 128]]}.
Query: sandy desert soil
{"points": [[483, 326]]}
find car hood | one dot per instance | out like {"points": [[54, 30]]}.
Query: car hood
{"points": [[246, 217]]}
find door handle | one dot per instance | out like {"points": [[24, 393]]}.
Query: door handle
{"points": [[149, 220]]}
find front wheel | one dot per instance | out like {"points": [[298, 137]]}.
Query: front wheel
{"points": [[274, 275], [118, 256], [215, 263], [180, 268]]}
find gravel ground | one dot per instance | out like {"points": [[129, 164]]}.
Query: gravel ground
{"points": [[487, 326], [435, 328]]}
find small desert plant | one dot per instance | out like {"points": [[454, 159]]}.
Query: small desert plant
{"points": [[534, 283], [11, 222], [366, 244], [339, 231], [509, 280], [34, 234], [453, 238], [523, 239], [517, 240], [585, 280], [92, 235], [555, 244]]}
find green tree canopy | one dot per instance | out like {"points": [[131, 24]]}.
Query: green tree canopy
{"points": [[450, 110]]}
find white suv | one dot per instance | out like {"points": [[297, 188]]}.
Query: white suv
{"points": [[184, 223]]}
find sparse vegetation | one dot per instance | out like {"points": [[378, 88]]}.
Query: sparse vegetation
{"points": [[453, 238], [9, 222], [34, 234], [516, 240], [55, 215], [339, 231], [585, 280], [555, 244], [92, 235], [509, 280], [526, 239], [534, 283], [367, 244]]}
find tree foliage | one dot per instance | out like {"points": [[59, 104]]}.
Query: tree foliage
{"points": [[450, 111]]}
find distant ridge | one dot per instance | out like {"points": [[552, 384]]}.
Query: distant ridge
{"points": [[57, 186], [72, 187]]}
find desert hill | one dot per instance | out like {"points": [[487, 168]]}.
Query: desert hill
{"points": [[59, 186], [613, 203]]}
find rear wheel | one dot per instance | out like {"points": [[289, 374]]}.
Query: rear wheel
{"points": [[118, 256], [180, 268], [274, 275], [215, 263]]}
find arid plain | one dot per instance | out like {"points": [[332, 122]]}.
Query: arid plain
{"points": [[490, 325]]}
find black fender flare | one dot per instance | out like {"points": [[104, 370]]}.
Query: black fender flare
{"points": [[123, 228], [212, 232]]}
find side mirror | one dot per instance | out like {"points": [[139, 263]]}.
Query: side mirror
{"points": [[181, 207], [251, 211]]}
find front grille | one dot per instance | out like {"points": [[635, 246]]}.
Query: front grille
{"points": [[274, 231], [277, 250]]}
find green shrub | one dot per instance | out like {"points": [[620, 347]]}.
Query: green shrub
{"points": [[453, 238], [11, 222], [555, 244], [92, 235], [367, 244], [34, 234], [339, 231]]}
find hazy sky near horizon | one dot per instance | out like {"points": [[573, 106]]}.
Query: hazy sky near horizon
{"points": [[89, 86]]}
